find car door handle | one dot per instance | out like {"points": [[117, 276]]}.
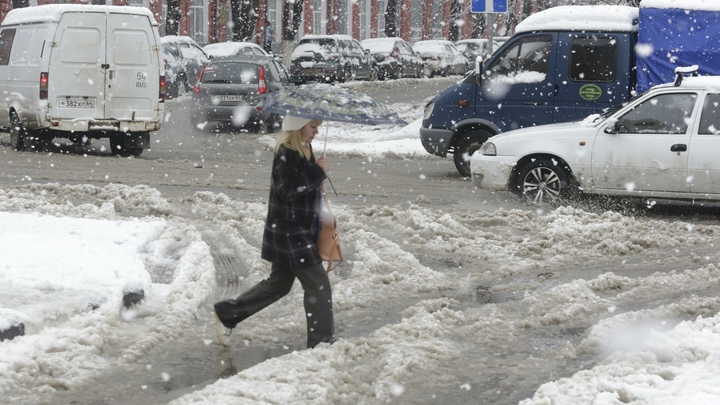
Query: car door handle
{"points": [[678, 147]]}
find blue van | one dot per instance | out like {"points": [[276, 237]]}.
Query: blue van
{"points": [[554, 69]]}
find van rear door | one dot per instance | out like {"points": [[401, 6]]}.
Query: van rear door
{"points": [[78, 53], [116, 71], [133, 77]]}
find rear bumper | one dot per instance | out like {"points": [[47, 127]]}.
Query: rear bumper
{"points": [[436, 141], [317, 72], [87, 125], [228, 113]]}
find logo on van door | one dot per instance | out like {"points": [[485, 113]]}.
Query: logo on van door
{"points": [[590, 92], [141, 81]]}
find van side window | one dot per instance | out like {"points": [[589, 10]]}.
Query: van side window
{"points": [[526, 61], [710, 120], [6, 41], [594, 59], [19, 54]]}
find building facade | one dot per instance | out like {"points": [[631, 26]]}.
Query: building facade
{"points": [[206, 21]]}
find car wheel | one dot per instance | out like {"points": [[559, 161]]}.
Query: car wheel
{"points": [[374, 74], [182, 86], [543, 181], [17, 133], [347, 74], [466, 146], [266, 126], [117, 146]]}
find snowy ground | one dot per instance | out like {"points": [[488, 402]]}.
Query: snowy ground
{"points": [[431, 302]]}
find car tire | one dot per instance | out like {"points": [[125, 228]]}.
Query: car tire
{"points": [[374, 74], [117, 146], [347, 74], [17, 133], [182, 86], [543, 181], [467, 145]]}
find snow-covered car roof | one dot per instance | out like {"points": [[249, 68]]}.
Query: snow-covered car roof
{"points": [[177, 39], [704, 5], [380, 45], [229, 48], [53, 12], [582, 18], [431, 45]]}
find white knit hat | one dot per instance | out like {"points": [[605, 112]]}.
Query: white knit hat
{"points": [[291, 123]]}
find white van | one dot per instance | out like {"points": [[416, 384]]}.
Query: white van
{"points": [[81, 72]]}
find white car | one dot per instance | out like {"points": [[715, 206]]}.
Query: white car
{"points": [[662, 144], [441, 58]]}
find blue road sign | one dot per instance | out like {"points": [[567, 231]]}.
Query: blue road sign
{"points": [[489, 6]]}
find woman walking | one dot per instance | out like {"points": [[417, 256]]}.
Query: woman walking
{"points": [[290, 238]]}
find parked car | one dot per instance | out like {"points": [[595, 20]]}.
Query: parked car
{"points": [[329, 58], [661, 144], [472, 48], [233, 49], [183, 61], [395, 58], [441, 58], [230, 90]]}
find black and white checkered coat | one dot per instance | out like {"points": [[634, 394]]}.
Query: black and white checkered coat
{"points": [[290, 235]]}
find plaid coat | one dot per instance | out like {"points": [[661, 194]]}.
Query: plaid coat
{"points": [[290, 237]]}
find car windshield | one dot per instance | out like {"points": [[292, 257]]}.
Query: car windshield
{"points": [[610, 111], [231, 72]]}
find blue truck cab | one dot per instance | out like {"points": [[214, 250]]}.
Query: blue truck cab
{"points": [[554, 69]]}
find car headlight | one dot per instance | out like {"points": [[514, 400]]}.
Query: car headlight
{"points": [[488, 149], [428, 110]]}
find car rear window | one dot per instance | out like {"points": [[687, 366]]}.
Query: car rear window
{"points": [[236, 73]]}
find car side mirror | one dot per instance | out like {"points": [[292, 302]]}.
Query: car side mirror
{"points": [[478, 64], [613, 129], [367, 51]]}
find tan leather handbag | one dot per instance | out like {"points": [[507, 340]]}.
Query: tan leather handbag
{"points": [[329, 238]]}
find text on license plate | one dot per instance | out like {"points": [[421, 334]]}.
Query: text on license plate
{"points": [[229, 98], [76, 103]]}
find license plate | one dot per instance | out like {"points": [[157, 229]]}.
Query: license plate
{"points": [[76, 103], [229, 98]]}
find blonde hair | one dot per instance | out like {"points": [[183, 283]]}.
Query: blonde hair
{"points": [[295, 140]]}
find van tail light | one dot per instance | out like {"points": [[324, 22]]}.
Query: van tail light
{"points": [[162, 89], [262, 87], [196, 89], [44, 85]]}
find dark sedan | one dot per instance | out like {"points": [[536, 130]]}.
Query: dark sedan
{"points": [[231, 89]]}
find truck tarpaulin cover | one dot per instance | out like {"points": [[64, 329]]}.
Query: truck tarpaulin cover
{"points": [[677, 38]]}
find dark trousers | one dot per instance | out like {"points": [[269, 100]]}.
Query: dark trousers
{"points": [[318, 300]]}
